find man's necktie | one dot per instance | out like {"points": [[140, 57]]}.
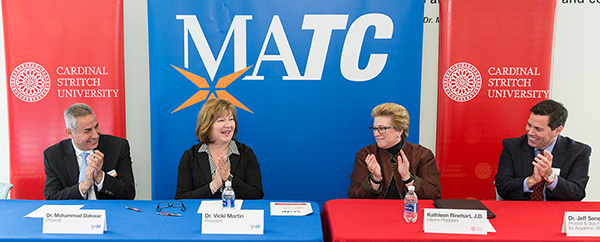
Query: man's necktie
{"points": [[538, 189], [83, 166], [82, 175]]}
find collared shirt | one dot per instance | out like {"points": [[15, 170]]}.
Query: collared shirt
{"points": [[91, 194], [213, 167], [551, 186]]}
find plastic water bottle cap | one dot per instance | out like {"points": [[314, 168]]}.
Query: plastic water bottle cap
{"points": [[228, 184], [411, 188]]}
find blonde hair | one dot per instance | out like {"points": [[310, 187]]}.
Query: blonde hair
{"points": [[210, 111], [398, 114]]}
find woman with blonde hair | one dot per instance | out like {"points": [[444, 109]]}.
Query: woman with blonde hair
{"points": [[204, 168], [386, 169]]}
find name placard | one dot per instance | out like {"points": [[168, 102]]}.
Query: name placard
{"points": [[233, 222], [290, 209], [581, 224], [62, 221], [455, 221]]}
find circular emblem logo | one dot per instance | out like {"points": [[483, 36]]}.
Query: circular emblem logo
{"points": [[483, 170], [462, 82], [30, 82]]}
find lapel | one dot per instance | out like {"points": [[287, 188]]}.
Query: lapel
{"points": [[235, 161], [71, 162], [526, 157], [102, 148], [204, 164], [559, 153]]}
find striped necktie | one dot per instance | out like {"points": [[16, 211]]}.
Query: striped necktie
{"points": [[538, 189]]}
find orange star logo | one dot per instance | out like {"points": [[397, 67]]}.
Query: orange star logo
{"points": [[205, 92]]}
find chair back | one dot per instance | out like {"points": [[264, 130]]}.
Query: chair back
{"points": [[498, 197], [4, 189]]}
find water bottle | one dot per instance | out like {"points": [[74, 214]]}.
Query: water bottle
{"points": [[228, 196], [410, 205]]}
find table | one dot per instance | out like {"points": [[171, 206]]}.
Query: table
{"points": [[132, 226], [382, 220]]}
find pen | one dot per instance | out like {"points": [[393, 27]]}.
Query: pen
{"points": [[134, 209], [169, 214]]}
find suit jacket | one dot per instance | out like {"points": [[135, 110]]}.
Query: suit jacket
{"points": [[194, 175], [62, 170], [422, 166], [572, 157]]}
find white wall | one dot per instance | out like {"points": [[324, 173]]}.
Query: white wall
{"points": [[4, 162], [137, 93], [576, 79]]}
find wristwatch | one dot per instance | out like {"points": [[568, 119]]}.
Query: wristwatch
{"points": [[229, 178], [550, 178], [410, 179], [373, 179]]}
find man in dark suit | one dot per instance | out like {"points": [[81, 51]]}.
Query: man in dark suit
{"points": [[88, 165], [543, 165]]}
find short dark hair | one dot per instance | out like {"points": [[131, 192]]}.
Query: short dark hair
{"points": [[556, 112]]}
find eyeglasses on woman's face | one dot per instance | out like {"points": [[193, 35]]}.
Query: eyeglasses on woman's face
{"points": [[381, 130]]}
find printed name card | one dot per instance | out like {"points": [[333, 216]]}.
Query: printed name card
{"points": [[290, 209], [233, 222], [455, 221], [68, 221], [581, 224]]}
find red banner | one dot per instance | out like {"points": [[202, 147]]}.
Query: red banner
{"points": [[495, 63], [59, 52]]}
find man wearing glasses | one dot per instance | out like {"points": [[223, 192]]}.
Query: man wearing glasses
{"points": [[88, 165], [385, 169], [543, 165]]}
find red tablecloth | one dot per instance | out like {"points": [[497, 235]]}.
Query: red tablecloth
{"points": [[382, 220]]}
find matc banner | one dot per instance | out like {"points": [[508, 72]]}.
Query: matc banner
{"points": [[304, 76], [59, 52], [495, 63]]}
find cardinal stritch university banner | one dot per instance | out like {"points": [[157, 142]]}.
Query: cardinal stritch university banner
{"points": [[59, 52], [304, 76], [495, 63]]}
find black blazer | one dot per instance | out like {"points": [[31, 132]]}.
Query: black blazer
{"points": [[62, 170], [572, 157], [194, 175]]}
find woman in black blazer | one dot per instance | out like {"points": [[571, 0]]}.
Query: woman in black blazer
{"points": [[204, 168]]}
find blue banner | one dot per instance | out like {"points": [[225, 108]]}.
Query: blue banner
{"points": [[304, 75]]}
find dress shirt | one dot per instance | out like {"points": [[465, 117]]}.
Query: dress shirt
{"points": [[213, 167], [551, 186], [91, 193]]}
